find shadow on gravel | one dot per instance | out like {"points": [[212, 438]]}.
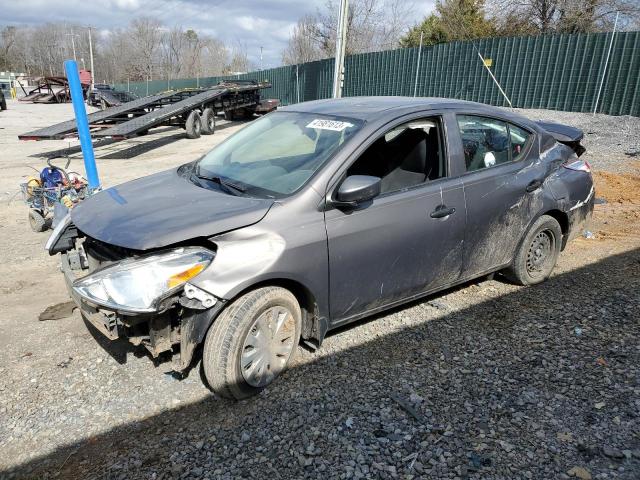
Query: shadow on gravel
{"points": [[527, 385]]}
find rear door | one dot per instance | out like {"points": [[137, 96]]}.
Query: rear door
{"points": [[501, 189], [399, 244]]}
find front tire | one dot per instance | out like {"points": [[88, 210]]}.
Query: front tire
{"points": [[252, 341], [537, 254], [37, 222]]}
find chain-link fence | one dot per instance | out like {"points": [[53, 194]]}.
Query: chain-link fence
{"points": [[561, 72]]}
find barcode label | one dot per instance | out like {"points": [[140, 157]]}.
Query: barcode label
{"points": [[334, 125]]}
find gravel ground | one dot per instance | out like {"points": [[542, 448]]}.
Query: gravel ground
{"points": [[487, 380]]}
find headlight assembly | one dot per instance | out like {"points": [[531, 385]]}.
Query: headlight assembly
{"points": [[138, 285]]}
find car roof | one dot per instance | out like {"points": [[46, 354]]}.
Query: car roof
{"points": [[370, 108]]}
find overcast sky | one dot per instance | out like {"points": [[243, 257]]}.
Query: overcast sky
{"points": [[254, 23]]}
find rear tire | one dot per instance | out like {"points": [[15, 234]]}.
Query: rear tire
{"points": [[537, 254], [252, 342], [36, 221], [193, 125], [208, 121]]}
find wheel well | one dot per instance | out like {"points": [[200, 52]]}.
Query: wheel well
{"points": [[303, 295], [563, 219]]}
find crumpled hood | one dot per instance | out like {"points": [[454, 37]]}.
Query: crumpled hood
{"points": [[163, 209]]}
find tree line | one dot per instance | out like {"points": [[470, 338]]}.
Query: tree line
{"points": [[383, 24], [146, 49], [143, 50]]}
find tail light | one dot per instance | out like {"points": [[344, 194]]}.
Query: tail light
{"points": [[578, 165]]}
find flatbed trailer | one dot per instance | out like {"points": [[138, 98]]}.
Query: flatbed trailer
{"points": [[195, 110]]}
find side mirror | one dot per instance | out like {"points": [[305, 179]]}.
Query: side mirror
{"points": [[356, 189]]}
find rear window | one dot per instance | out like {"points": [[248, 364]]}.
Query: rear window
{"points": [[489, 142]]}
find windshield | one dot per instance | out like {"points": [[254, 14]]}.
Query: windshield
{"points": [[275, 155]]}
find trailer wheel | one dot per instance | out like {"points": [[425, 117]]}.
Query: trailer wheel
{"points": [[208, 121], [37, 221], [193, 125]]}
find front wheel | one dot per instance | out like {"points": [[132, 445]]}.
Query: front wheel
{"points": [[252, 341], [37, 222], [537, 254]]}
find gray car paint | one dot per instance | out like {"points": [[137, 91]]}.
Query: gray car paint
{"points": [[350, 263], [163, 209]]}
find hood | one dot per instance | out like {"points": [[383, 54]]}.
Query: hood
{"points": [[163, 209]]}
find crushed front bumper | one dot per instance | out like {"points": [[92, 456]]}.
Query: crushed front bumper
{"points": [[178, 330]]}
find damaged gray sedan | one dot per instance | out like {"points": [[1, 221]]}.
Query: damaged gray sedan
{"points": [[315, 216]]}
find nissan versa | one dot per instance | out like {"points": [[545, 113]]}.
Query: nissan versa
{"points": [[317, 215]]}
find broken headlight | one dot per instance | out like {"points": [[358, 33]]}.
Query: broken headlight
{"points": [[138, 285]]}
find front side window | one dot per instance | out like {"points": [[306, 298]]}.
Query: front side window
{"points": [[407, 155], [275, 155]]}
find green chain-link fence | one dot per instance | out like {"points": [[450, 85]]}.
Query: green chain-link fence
{"points": [[560, 72]]}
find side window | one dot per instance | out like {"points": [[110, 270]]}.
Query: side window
{"points": [[519, 141], [485, 141], [407, 155]]}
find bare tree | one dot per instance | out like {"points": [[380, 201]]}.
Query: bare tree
{"points": [[515, 17], [145, 36], [372, 25], [303, 43]]}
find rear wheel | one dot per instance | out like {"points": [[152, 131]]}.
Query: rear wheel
{"points": [[208, 121], [252, 342], [537, 254], [37, 221], [193, 125]]}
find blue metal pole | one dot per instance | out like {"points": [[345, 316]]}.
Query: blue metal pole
{"points": [[71, 69]]}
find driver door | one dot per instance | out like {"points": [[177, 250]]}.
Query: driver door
{"points": [[398, 245]]}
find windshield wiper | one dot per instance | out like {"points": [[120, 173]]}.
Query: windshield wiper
{"points": [[223, 182]]}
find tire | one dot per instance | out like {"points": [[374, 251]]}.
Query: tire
{"points": [[228, 371], [37, 222], [3, 104], [537, 254], [193, 125], [230, 115], [208, 121]]}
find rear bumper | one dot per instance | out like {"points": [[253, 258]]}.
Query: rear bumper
{"points": [[580, 217]]}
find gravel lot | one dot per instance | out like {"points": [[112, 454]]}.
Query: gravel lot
{"points": [[487, 380]]}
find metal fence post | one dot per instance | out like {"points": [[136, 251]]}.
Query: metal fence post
{"points": [[606, 63], [415, 85]]}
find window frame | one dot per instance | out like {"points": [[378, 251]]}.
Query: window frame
{"points": [[523, 155], [439, 117]]}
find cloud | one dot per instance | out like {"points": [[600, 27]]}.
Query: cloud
{"points": [[252, 23]]}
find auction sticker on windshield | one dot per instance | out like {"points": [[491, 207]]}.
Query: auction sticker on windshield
{"points": [[334, 125]]}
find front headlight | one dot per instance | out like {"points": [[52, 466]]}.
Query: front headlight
{"points": [[137, 285]]}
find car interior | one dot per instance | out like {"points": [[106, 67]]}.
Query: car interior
{"points": [[488, 142], [407, 155]]}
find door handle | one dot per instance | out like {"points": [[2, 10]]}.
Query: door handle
{"points": [[534, 185], [442, 211]]}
